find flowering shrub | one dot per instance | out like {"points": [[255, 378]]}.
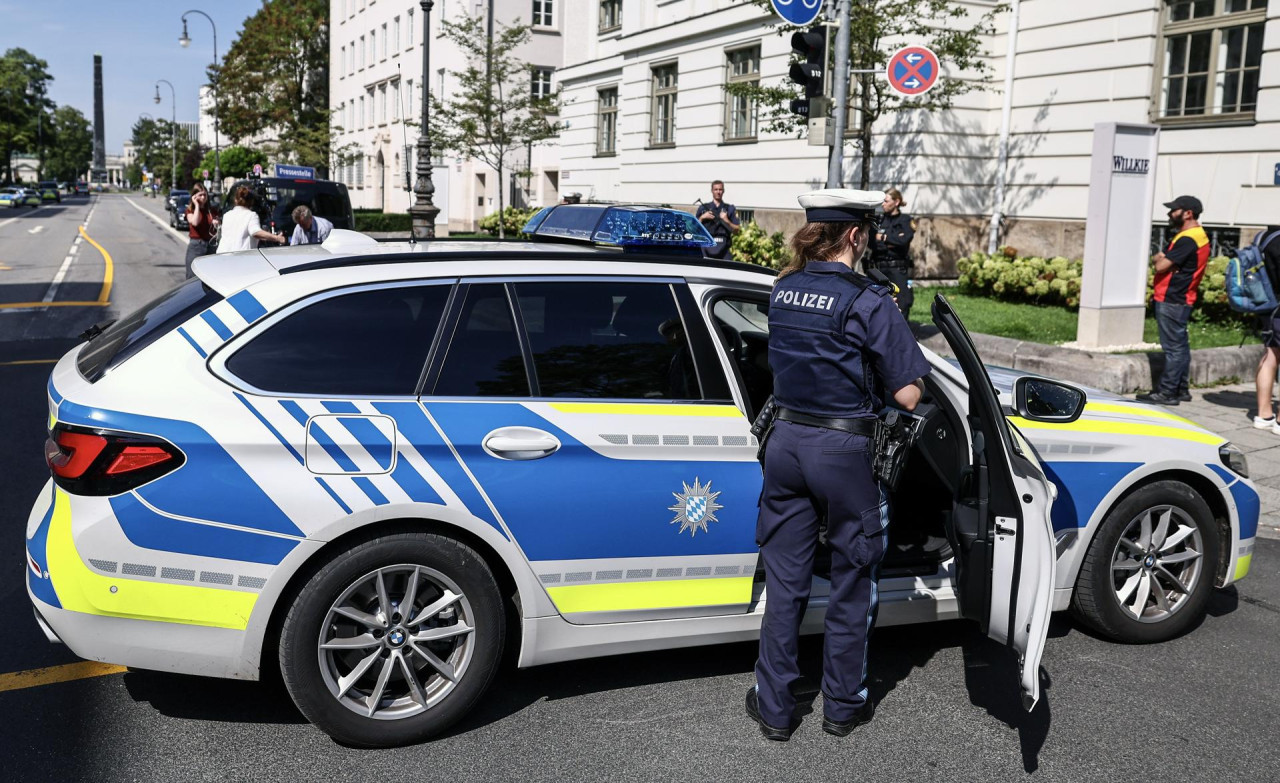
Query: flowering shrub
{"points": [[752, 245], [1056, 281], [513, 219]]}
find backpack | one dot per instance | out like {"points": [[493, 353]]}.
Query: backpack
{"points": [[1249, 290]]}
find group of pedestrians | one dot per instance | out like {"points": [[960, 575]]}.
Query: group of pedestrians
{"points": [[241, 228]]}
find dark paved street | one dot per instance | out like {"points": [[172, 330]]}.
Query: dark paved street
{"points": [[1202, 707]]}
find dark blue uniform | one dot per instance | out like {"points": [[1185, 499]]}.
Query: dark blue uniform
{"points": [[892, 255], [836, 348]]}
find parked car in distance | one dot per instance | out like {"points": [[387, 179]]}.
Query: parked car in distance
{"points": [[178, 214], [82, 189], [174, 195], [49, 191], [19, 197], [325, 198]]}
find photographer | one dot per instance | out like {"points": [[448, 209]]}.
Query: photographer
{"points": [[241, 227]]}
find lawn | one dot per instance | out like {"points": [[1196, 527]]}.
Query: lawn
{"points": [[1049, 324]]}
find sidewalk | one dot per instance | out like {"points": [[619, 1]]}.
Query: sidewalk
{"points": [[1228, 411]]}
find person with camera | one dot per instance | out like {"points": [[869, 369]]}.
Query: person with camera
{"points": [[241, 227], [839, 350], [891, 247], [202, 223]]}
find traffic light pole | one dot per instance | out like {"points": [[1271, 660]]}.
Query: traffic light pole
{"points": [[840, 91]]}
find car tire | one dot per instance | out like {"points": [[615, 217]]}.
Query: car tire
{"points": [[1116, 575], [337, 624]]}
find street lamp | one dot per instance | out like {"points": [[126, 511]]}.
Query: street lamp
{"points": [[185, 40], [173, 132], [423, 211]]}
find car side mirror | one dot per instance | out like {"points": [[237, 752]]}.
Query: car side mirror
{"points": [[1042, 399]]}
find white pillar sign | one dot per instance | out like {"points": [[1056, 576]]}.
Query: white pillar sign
{"points": [[1122, 186]]}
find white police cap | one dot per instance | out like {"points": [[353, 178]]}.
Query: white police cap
{"points": [[840, 205]]}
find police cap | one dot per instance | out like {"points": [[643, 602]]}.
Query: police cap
{"points": [[841, 205]]}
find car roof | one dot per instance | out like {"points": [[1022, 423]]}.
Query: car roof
{"points": [[231, 272]]}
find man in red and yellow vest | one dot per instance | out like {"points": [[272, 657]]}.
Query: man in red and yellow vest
{"points": [[1178, 273]]}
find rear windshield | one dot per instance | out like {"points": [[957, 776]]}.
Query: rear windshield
{"points": [[325, 198], [131, 334]]}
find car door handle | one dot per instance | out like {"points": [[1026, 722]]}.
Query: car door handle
{"points": [[520, 443]]}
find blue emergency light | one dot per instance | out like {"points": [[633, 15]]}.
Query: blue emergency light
{"points": [[632, 228]]}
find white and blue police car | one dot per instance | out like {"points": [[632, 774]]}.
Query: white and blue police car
{"points": [[375, 466]]}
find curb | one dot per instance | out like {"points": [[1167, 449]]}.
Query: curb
{"points": [[1123, 373], [1269, 531]]}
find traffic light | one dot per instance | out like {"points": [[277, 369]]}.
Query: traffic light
{"points": [[811, 45]]}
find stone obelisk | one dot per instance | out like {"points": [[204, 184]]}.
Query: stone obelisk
{"points": [[99, 173]]}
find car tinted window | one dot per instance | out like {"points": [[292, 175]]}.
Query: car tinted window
{"points": [[484, 357], [606, 339], [131, 334], [325, 198], [358, 344]]}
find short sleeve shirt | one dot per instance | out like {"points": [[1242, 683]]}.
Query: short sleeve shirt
{"points": [[205, 229], [887, 342], [716, 227], [1189, 254]]}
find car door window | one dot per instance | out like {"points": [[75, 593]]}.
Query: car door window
{"points": [[618, 340], [366, 343], [743, 323], [484, 357]]}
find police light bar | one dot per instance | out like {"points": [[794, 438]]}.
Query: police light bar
{"points": [[633, 228]]}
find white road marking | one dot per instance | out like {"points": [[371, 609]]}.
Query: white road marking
{"points": [[176, 233], [66, 262], [35, 230], [4, 223]]}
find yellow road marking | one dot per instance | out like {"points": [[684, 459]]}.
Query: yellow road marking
{"points": [[105, 293], [17, 305], [15, 681], [4, 268], [29, 361]]}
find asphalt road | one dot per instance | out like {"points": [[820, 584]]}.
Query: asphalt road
{"points": [[1201, 707]]}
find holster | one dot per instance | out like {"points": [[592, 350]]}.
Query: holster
{"points": [[895, 434], [762, 427]]}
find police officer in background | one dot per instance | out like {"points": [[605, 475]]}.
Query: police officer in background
{"points": [[891, 247], [839, 350]]}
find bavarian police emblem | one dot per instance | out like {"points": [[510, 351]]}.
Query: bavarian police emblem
{"points": [[695, 507]]}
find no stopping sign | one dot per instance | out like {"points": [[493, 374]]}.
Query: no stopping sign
{"points": [[912, 70]]}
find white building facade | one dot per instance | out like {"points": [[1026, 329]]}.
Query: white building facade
{"points": [[649, 118], [375, 83]]}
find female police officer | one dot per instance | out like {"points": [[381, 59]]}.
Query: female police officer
{"points": [[837, 343]]}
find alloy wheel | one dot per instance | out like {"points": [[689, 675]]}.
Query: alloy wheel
{"points": [[1157, 563]]}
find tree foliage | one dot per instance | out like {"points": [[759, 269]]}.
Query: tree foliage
{"points": [[237, 161], [494, 112], [274, 80], [24, 97], [72, 144], [877, 29]]}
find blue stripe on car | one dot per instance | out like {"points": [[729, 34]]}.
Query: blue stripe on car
{"points": [[149, 530], [1248, 506], [211, 485], [270, 428], [339, 456], [333, 494], [36, 545], [216, 324], [194, 344], [249, 308], [366, 486], [1081, 487]]}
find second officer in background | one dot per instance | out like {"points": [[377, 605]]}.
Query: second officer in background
{"points": [[839, 350], [891, 247]]}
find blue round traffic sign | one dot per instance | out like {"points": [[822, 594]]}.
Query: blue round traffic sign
{"points": [[912, 70], [798, 12]]}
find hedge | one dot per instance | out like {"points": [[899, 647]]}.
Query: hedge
{"points": [[513, 219], [1056, 281], [752, 245], [373, 220]]}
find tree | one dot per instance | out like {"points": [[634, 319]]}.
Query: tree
{"points": [[877, 29], [237, 161], [71, 146], [494, 112], [191, 166], [24, 96], [275, 80]]}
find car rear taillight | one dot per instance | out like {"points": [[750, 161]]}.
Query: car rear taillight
{"points": [[103, 462]]}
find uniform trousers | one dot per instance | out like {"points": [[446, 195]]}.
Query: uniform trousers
{"points": [[811, 472]]}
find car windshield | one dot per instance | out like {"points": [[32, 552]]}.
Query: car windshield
{"points": [[327, 199]]}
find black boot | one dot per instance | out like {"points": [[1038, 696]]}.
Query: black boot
{"points": [[864, 714], [753, 712]]}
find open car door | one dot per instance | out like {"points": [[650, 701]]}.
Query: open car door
{"points": [[1000, 530]]}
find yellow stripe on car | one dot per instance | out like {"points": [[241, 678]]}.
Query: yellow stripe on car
{"points": [[1122, 428], [1135, 410], [1242, 566], [666, 594], [82, 590], [646, 409]]}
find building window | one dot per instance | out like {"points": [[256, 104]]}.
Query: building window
{"points": [[395, 100], [1212, 56], [360, 117], [361, 51], [543, 13], [359, 171], [342, 61], [373, 47], [372, 108], [395, 37], [610, 15], [740, 110], [541, 88], [662, 131], [409, 37], [607, 122], [382, 104], [384, 40]]}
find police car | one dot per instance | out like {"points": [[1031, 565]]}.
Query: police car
{"points": [[375, 466]]}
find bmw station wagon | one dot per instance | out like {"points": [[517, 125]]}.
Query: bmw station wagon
{"points": [[376, 465]]}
